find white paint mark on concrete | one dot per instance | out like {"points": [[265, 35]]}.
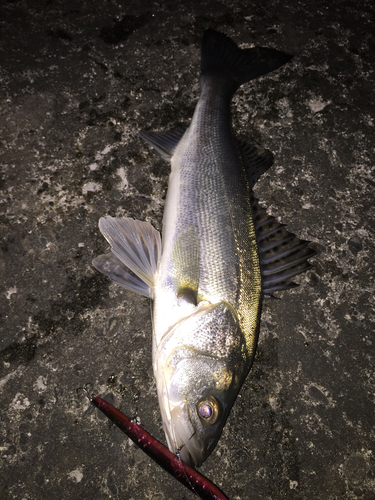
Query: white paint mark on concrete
{"points": [[317, 105], [106, 150], [307, 206], [91, 187], [10, 292], [20, 402], [76, 475], [41, 384], [5, 379], [124, 181]]}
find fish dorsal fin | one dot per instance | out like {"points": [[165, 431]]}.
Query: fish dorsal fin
{"points": [[135, 246], [185, 258], [164, 142], [256, 160], [282, 254]]}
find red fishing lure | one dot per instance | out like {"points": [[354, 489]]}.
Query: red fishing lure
{"points": [[188, 476]]}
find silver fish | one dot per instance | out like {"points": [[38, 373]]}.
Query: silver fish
{"points": [[221, 254]]}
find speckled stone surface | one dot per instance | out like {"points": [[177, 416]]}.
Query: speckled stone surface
{"points": [[79, 80]]}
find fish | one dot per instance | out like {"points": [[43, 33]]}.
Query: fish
{"points": [[193, 480], [220, 254]]}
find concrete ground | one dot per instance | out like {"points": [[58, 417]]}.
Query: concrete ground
{"points": [[79, 80]]}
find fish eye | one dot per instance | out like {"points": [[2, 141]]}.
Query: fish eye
{"points": [[208, 410]]}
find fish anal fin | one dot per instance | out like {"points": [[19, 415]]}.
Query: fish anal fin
{"points": [[164, 142], [282, 254], [185, 259], [136, 246], [256, 161]]}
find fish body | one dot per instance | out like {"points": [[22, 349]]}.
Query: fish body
{"points": [[220, 255]]}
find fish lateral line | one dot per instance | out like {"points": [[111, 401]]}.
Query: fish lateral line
{"points": [[172, 463]]}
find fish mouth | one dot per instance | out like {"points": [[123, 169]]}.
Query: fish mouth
{"points": [[182, 438]]}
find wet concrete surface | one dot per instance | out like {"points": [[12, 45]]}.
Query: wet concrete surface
{"points": [[78, 83]]}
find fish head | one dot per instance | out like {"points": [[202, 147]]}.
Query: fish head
{"points": [[197, 407], [200, 367]]}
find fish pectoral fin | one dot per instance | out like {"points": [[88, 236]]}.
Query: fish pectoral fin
{"points": [[136, 246], [256, 160], [282, 254], [117, 272], [185, 261], [164, 142]]}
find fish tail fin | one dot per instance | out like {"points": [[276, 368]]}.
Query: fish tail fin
{"points": [[222, 58]]}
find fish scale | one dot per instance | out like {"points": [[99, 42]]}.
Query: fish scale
{"points": [[213, 160]]}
